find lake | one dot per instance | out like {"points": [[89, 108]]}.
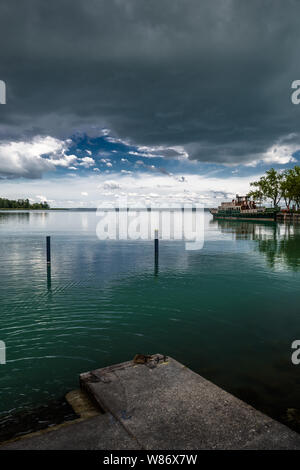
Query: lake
{"points": [[230, 310]]}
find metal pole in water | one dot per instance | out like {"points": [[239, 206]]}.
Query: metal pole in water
{"points": [[48, 250], [49, 277], [156, 250]]}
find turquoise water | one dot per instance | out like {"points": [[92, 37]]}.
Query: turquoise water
{"points": [[229, 311]]}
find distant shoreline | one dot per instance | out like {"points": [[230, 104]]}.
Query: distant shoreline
{"points": [[29, 209], [94, 209], [22, 209]]}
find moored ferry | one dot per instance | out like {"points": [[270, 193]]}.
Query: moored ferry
{"points": [[244, 208]]}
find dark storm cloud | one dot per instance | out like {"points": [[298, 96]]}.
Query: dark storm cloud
{"points": [[213, 76]]}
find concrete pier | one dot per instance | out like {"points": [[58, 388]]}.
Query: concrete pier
{"points": [[156, 403]]}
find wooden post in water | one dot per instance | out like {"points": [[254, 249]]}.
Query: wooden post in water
{"points": [[156, 251], [48, 250]]}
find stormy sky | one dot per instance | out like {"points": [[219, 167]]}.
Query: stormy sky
{"points": [[171, 97]]}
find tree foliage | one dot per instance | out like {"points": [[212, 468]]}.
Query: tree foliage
{"points": [[22, 204], [275, 186]]}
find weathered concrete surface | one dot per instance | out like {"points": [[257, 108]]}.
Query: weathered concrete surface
{"points": [[99, 433], [163, 405], [81, 404], [171, 407]]}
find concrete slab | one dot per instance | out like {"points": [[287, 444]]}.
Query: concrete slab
{"points": [[99, 433], [165, 405], [81, 404], [158, 404]]}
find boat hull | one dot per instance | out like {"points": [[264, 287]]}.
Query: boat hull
{"points": [[267, 219], [269, 216]]}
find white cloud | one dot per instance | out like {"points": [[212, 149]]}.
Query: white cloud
{"points": [[115, 140], [41, 198], [280, 153], [106, 161], [33, 157], [87, 162], [139, 187], [176, 152], [64, 161]]}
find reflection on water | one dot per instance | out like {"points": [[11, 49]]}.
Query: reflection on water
{"points": [[283, 249], [10, 217], [229, 311], [279, 243], [15, 219]]}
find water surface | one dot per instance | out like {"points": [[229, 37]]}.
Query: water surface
{"points": [[229, 311]]}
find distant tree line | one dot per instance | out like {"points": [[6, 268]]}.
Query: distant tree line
{"points": [[22, 204], [276, 186]]}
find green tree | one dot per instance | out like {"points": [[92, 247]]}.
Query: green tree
{"points": [[269, 186], [288, 186], [256, 195], [22, 204], [296, 186]]}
